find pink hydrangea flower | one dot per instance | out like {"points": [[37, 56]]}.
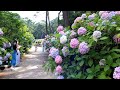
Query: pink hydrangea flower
{"points": [[116, 74], [105, 16], [59, 69], [91, 24], [58, 59], [62, 32], [60, 28], [77, 19], [74, 43], [101, 12], [117, 12], [83, 48], [81, 31]]}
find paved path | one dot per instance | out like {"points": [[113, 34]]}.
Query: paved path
{"points": [[30, 68]]}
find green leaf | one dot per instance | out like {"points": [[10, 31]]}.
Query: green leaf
{"points": [[103, 52], [78, 67], [109, 60], [89, 70], [90, 76], [102, 76], [115, 50], [90, 62], [97, 68], [98, 28], [102, 27], [79, 75], [103, 38], [114, 64], [118, 61], [118, 28], [115, 55], [106, 68], [81, 63]]}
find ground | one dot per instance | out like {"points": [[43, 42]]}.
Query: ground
{"points": [[30, 68]]}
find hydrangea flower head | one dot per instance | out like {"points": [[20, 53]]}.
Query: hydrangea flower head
{"points": [[81, 31], [58, 59], [83, 48], [59, 69], [77, 19], [74, 43], [63, 39], [60, 28], [116, 74]]}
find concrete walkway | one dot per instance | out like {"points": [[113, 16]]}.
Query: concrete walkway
{"points": [[30, 68]]}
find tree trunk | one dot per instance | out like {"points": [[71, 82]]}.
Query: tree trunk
{"points": [[49, 22], [59, 17], [46, 23], [66, 18]]}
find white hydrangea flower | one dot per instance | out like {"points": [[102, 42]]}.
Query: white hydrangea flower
{"points": [[83, 16], [63, 39], [96, 34], [102, 62]]}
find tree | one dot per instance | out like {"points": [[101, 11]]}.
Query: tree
{"points": [[66, 18]]}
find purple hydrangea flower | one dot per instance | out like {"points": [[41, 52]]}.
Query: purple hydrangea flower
{"points": [[5, 58], [53, 52], [60, 77], [82, 31], [111, 14], [8, 55], [83, 48], [1, 58], [91, 17]]}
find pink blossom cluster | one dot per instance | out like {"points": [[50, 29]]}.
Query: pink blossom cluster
{"points": [[74, 43]]}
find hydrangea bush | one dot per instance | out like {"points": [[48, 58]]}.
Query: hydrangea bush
{"points": [[91, 50], [5, 51]]}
